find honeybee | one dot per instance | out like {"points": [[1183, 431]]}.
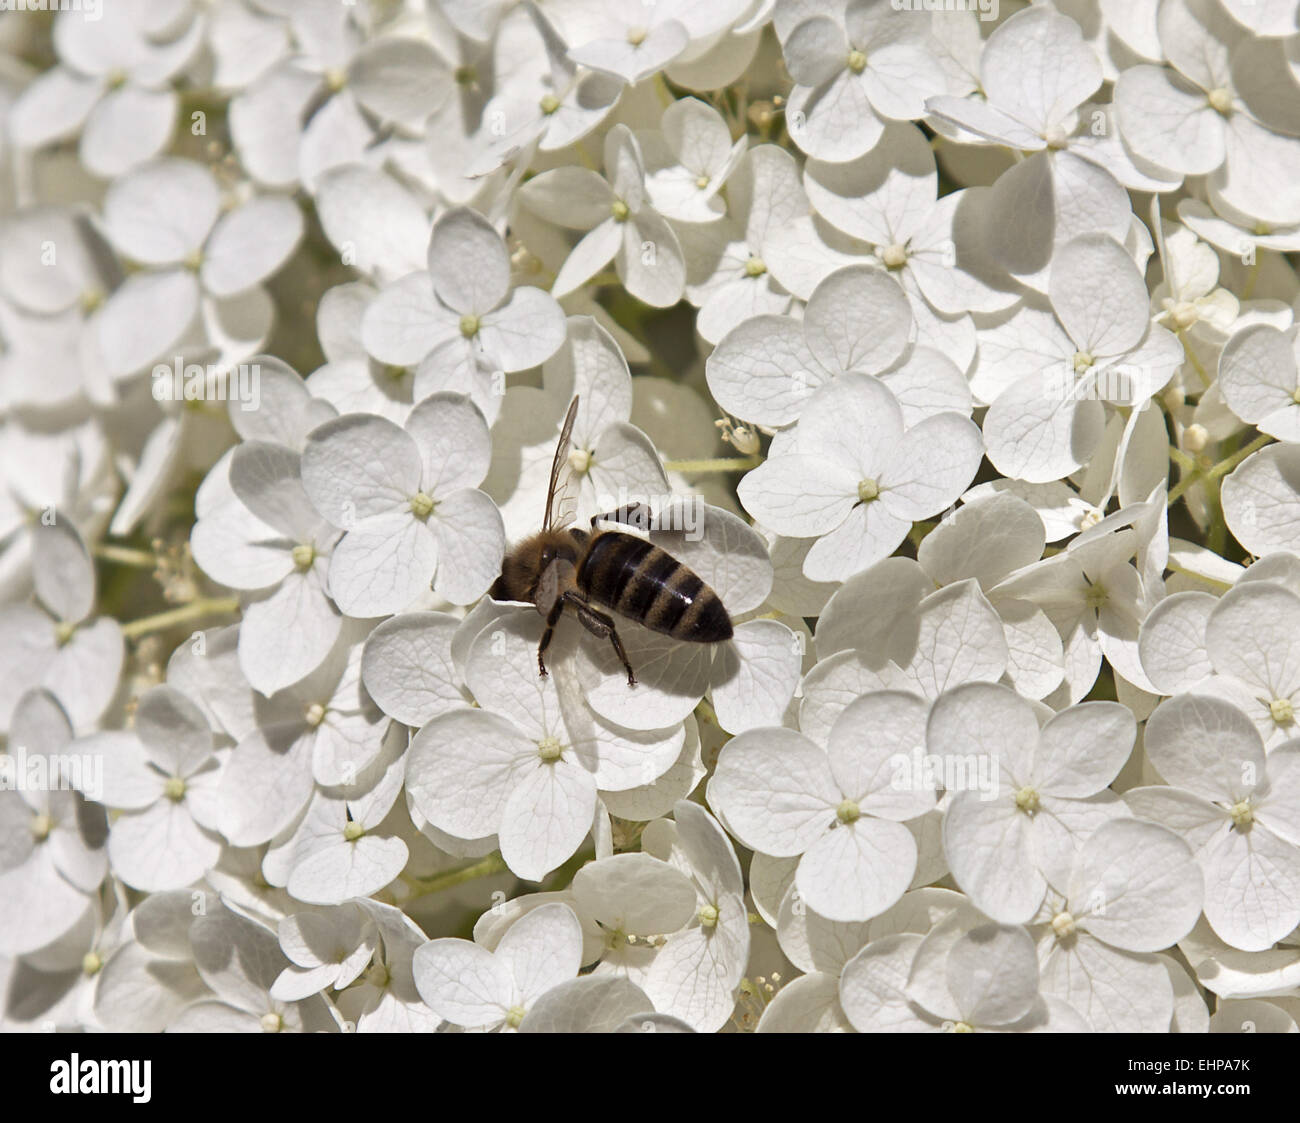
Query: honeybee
{"points": [[563, 566]]}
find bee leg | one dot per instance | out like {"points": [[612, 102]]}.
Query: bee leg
{"points": [[637, 514], [552, 618], [598, 624]]}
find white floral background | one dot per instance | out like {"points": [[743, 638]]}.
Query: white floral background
{"points": [[968, 335]]}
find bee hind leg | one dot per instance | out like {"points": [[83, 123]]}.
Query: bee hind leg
{"points": [[598, 624]]}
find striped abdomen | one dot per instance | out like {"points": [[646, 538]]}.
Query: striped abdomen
{"points": [[644, 583]]}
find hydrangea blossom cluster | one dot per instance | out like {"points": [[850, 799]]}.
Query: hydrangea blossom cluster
{"points": [[957, 351]]}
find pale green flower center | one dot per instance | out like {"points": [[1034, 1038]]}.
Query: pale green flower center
{"points": [[272, 1022], [1261, 229], [580, 460], [377, 975], [857, 61], [353, 831], [549, 103], [395, 372], [193, 261], [421, 505], [1183, 313], [303, 556], [315, 714], [868, 490], [1242, 814], [469, 326], [91, 963], [1027, 801], [894, 257], [708, 916], [1220, 100], [1063, 925], [848, 811], [548, 749], [63, 632], [91, 299], [1281, 711], [514, 1016], [1056, 138], [1082, 361], [962, 1027], [1096, 596], [755, 267], [174, 789], [702, 181], [42, 824], [116, 79], [620, 210], [336, 78], [636, 35], [466, 75]]}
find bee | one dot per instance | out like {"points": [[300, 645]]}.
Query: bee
{"points": [[565, 567]]}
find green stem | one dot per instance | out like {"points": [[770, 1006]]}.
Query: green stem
{"points": [[1179, 457], [723, 464], [485, 867], [123, 555], [1194, 360], [1223, 467], [195, 610]]}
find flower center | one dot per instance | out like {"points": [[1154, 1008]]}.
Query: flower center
{"points": [[894, 257], [303, 556], [377, 975], [1090, 519], [1027, 801], [91, 963], [702, 181], [272, 1022], [1056, 138], [1096, 596], [580, 460], [395, 372], [193, 261], [1183, 313], [1082, 361], [1220, 100], [549, 103], [63, 632], [514, 1016], [1261, 229], [174, 789], [42, 824], [352, 831], [755, 267], [962, 1027], [848, 811], [548, 749], [1063, 925], [1295, 395], [466, 75], [1242, 814], [315, 714], [469, 326], [636, 35], [91, 299], [868, 490], [1281, 711], [619, 210], [857, 61], [708, 916], [421, 505], [116, 79]]}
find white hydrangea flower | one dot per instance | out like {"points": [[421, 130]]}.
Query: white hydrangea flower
{"points": [[407, 502], [1006, 846], [856, 479], [1236, 806], [470, 986], [622, 224]]}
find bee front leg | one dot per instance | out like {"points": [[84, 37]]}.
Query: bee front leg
{"points": [[552, 618], [598, 624]]}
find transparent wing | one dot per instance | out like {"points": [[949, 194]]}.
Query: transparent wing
{"points": [[562, 494]]}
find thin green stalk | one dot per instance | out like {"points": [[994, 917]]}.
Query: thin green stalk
{"points": [[124, 555], [195, 610], [722, 464]]}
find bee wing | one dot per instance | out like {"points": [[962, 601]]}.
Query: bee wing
{"points": [[562, 494]]}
